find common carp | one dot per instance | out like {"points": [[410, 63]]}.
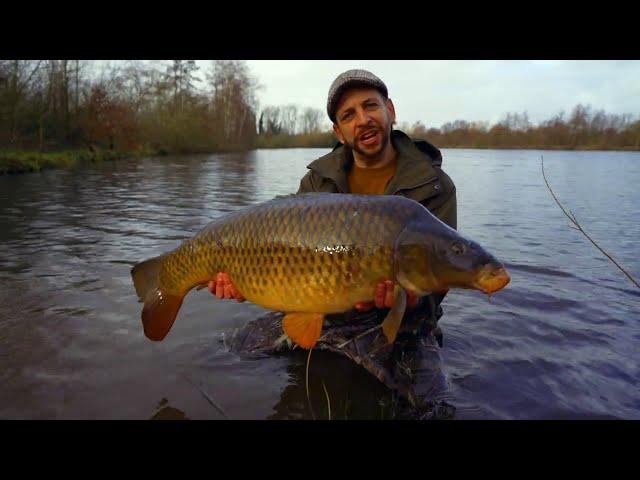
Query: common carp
{"points": [[314, 254]]}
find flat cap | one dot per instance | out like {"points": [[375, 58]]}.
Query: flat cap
{"points": [[350, 79]]}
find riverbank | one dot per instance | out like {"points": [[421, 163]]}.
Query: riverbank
{"points": [[24, 161], [13, 161]]}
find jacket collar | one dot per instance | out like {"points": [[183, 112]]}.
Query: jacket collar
{"points": [[413, 168]]}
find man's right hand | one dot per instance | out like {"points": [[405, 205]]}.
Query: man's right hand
{"points": [[222, 287], [384, 298]]}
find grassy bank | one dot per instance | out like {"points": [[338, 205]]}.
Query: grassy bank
{"points": [[22, 161], [14, 161]]}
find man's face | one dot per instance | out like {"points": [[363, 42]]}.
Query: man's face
{"points": [[363, 121]]}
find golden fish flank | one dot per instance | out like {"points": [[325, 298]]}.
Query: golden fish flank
{"points": [[315, 254]]}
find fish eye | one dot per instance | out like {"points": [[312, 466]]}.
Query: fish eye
{"points": [[457, 248]]}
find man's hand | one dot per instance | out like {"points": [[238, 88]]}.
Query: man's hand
{"points": [[384, 298], [222, 287]]}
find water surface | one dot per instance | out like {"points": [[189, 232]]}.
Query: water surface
{"points": [[559, 342]]}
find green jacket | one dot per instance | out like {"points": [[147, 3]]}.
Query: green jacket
{"points": [[419, 176]]}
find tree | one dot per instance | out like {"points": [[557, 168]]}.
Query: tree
{"points": [[233, 101], [578, 124], [289, 118], [180, 75], [418, 130], [109, 120], [271, 121], [16, 78], [310, 120]]}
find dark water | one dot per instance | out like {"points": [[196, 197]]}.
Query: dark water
{"points": [[561, 341]]}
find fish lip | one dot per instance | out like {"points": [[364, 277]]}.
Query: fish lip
{"points": [[491, 280]]}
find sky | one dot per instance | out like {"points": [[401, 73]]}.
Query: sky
{"points": [[439, 91]]}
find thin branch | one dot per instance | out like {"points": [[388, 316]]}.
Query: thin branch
{"points": [[578, 227], [326, 394], [307, 385], [213, 404], [207, 397]]}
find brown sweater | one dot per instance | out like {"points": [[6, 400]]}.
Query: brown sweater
{"points": [[371, 181]]}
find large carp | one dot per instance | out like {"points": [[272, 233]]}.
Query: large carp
{"points": [[313, 254]]}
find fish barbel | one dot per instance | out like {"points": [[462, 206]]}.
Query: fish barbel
{"points": [[314, 254]]}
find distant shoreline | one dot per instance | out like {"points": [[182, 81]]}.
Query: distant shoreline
{"points": [[18, 161], [460, 147]]}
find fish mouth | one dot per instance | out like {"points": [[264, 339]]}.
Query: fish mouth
{"points": [[492, 280]]}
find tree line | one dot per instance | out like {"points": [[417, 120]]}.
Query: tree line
{"points": [[164, 105], [161, 106], [171, 106], [583, 128]]}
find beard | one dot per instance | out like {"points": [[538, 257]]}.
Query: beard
{"points": [[371, 152]]}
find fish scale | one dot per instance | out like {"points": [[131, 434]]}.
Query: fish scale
{"points": [[324, 252]]}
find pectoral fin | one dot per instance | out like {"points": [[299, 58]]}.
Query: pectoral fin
{"points": [[303, 328], [392, 322]]}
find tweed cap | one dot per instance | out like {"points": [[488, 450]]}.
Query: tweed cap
{"points": [[350, 79]]}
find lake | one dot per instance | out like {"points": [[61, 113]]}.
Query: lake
{"points": [[560, 341]]}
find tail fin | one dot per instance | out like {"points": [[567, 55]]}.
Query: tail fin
{"points": [[160, 307], [146, 276]]}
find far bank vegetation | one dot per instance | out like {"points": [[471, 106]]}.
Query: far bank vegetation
{"points": [[129, 106], [583, 129], [135, 108]]}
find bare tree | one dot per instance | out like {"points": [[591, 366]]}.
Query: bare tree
{"points": [[271, 121], [311, 119], [233, 100], [17, 76], [290, 119], [180, 75]]}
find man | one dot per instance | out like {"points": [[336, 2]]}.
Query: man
{"points": [[371, 158], [374, 159]]}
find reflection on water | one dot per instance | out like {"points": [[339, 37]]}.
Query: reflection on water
{"points": [[559, 342]]}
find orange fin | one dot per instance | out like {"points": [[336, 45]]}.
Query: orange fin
{"points": [[159, 313], [160, 308], [392, 322], [303, 328]]}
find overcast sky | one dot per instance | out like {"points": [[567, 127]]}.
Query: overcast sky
{"points": [[440, 91]]}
